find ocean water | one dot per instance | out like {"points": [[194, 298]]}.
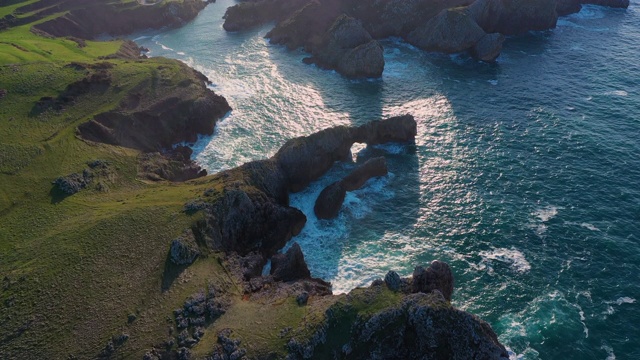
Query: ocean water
{"points": [[525, 175]]}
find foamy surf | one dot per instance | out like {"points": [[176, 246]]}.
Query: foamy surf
{"points": [[511, 257]]}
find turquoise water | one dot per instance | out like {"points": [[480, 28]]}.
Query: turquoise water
{"points": [[525, 175]]}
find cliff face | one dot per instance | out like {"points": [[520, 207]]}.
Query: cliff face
{"points": [[153, 120], [448, 26], [88, 19]]}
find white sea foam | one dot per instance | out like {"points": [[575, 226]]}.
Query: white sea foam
{"points": [[322, 241], [392, 148], [625, 300], [616, 93], [609, 350], [141, 38], [585, 225], [180, 53], [547, 213], [165, 47], [512, 257], [493, 82]]}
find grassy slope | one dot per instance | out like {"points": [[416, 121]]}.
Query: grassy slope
{"points": [[73, 269]]}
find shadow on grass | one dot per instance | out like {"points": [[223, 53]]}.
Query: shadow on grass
{"points": [[57, 195], [171, 272]]}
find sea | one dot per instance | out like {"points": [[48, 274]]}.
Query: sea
{"points": [[524, 176]]}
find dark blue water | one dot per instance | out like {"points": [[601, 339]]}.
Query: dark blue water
{"points": [[525, 175]]}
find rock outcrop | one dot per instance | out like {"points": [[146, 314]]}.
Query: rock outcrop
{"points": [[350, 49], [155, 121], [342, 35], [330, 200], [184, 249], [437, 276], [153, 118], [249, 210], [512, 17], [451, 31], [290, 265], [417, 325], [88, 19], [305, 159]]}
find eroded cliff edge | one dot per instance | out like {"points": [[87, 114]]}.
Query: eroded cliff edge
{"points": [[343, 34], [245, 214], [114, 261]]}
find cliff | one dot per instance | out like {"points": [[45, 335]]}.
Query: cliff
{"points": [[89, 19], [342, 34], [103, 263]]}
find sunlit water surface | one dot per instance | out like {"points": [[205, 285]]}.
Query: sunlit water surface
{"points": [[525, 175]]}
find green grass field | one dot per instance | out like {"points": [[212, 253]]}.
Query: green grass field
{"points": [[74, 268]]}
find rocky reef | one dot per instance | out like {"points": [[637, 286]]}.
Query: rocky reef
{"points": [[343, 34]]}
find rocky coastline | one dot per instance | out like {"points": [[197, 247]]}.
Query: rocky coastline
{"points": [[343, 34], [243, 215], [246, 216]]}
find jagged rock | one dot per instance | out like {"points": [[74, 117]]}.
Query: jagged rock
{"points": [[366, 60], [73, 183], [512, 17], [184, 249], [418, 326], [97, 18], [305, 159], [488, 48], [392, 279], [437, 276], [359, 176], [330, 200], [566, 7], [302, 298], [290, 265], [304, 27], [395, 129], [451, 31], [349, 48], [228, 348], [151, 122]]}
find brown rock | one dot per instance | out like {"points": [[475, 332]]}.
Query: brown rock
{"points": [[290, 265], [488, 48], [451, 31], [330, 200], [437, 276]]}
